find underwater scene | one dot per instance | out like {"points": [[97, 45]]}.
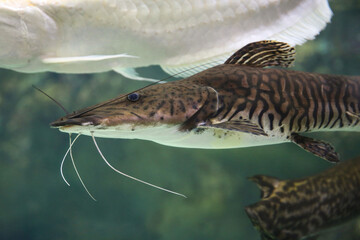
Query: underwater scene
{"points": [[220, 185]]}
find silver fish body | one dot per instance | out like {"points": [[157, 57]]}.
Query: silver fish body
{"points": [[84, 36]]}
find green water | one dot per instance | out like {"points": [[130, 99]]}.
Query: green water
{"points": [[35, 203]]}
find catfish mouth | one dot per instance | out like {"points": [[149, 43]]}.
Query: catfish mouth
{"points": [[83, 121], [64, 122], [103, 123]]}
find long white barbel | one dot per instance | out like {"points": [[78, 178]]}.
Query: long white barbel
{"points": [[77, 173], [126, 175], [63, 160]]}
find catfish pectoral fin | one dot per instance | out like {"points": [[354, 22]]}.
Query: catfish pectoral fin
{"points": [[238, 125], [316, 147]]}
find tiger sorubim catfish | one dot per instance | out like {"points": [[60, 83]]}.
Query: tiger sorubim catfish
{"points": [[297, 209], [240, 103]]}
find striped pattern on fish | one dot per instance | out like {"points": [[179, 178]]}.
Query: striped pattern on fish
{"points": [[297, 209], [283, 100], [236, 104]]}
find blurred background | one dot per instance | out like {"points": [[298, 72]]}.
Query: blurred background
{"points": [[35, 203]]}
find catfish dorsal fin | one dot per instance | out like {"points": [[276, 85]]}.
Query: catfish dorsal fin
{"points": [[265, 183], [264, 54]]}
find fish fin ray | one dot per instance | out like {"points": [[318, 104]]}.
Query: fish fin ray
{"points": [[316, 147], [187, 70], [264, 54], [238, 125], [90, 58], [266, 184], [132, 74]]}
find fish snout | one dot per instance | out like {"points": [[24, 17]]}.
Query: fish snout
{"points": [[68, 122]]}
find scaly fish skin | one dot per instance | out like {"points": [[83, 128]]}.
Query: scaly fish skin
{"points": [[236, 104], [296, 209]]}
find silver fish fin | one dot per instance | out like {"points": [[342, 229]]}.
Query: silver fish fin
{"points": [[266, 184], [238, 125], [133, 75], [316, 147], [264, 54], [90, 58]]}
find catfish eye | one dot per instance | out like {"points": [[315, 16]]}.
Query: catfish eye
{"points": [[133, 97]]}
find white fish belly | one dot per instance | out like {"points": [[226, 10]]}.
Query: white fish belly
{"points": [[170, 136], [218, 139]]}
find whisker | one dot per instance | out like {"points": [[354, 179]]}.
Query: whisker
{"points": [[53, 99], [126, 175], [77, 173], [63, 160]]}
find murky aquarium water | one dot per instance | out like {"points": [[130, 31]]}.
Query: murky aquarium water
{"points": [[35, 202]]}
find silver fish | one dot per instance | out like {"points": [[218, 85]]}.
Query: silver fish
{"points": [[86, 36]]}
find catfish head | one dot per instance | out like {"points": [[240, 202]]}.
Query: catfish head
{"points": [[153, 112]]}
